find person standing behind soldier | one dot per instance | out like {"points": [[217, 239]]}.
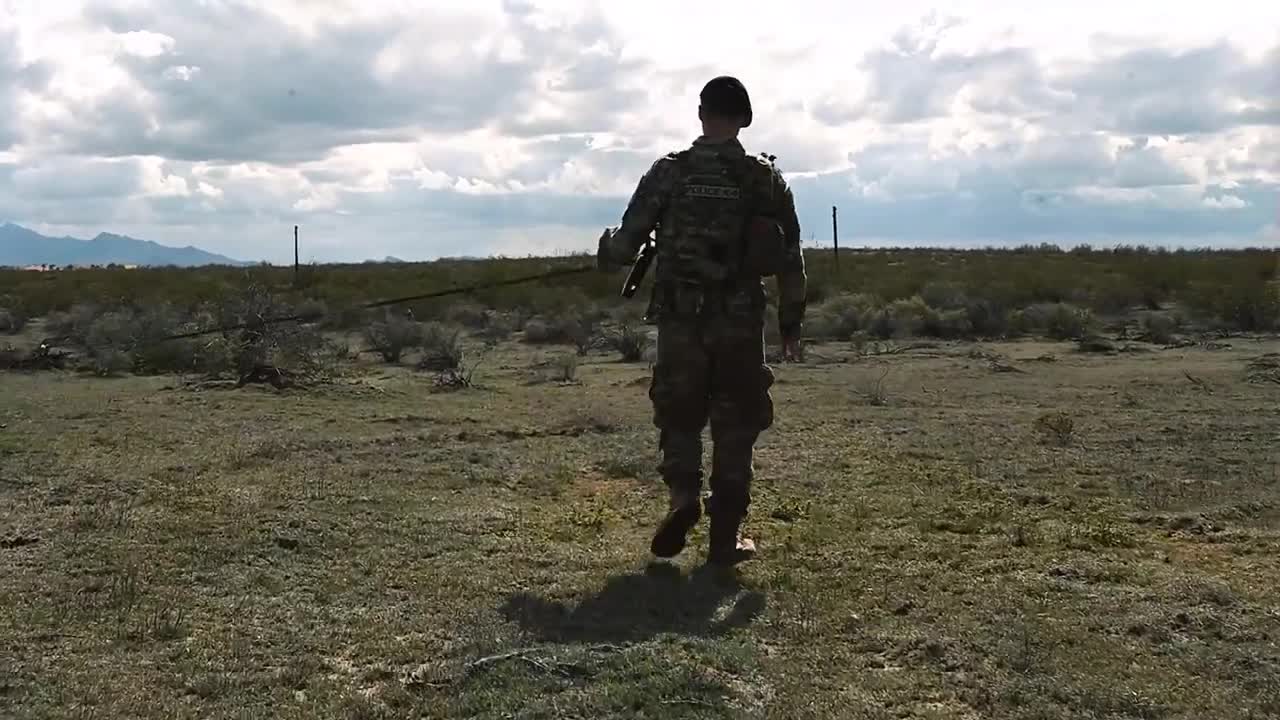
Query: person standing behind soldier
{"points": [[724, 220]]}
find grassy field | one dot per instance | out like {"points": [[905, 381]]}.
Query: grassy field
{"points": [[948, 529]]}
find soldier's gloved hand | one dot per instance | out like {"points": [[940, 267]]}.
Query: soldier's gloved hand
{"points": [[790, 323], [604, 252]]}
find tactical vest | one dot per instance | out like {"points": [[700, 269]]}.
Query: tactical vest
{"points": [[702, 234]]}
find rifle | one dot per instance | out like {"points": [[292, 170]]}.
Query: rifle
{"points": [[639, 268]]}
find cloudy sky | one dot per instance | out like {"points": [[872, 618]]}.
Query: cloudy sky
{"points": [[449, 127]]}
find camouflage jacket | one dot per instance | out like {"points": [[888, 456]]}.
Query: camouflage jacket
{"points": [[699, 202]]}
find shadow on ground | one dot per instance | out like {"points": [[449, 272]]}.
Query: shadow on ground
{"points": [[638, 606]]}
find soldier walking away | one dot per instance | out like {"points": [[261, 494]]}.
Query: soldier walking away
{"points": [[722, 220]]}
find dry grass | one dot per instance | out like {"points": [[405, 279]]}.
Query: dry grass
{"points": [[374, 548]]}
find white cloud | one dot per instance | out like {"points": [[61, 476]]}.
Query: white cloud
{"points": [[1225, 202], [474, 119], [144, 44]]}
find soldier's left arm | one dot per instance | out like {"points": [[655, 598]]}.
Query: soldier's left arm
{"points": [[641, 216], [792, 279]]}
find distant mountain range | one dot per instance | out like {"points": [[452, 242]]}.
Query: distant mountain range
{"points": [[20, 247]]}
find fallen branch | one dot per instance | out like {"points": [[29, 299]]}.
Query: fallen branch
{"points": [[277, 377], [1001, 366], [690, 701], [494, 659], [1198, 382], [546, 664]]}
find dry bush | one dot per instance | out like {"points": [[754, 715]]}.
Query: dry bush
{"points": [[906, 317], [501, 327], [393, 335], [987, 319], [565, 367], [842, 316], [630, 341], [628, 314], [304, 352], [1059, 321], [12, 320], [106, 341], [300, 350], [441, 348], [11, 358], [577, 328], [151, 350], [140, 340], [1056, 426], [1160, 327], [312, 310], [846, 316], [874, 390], [73, 325], [945, 295], [468, 315]]}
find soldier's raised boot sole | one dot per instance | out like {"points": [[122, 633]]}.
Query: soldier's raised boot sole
{"points": [[672, 534]]}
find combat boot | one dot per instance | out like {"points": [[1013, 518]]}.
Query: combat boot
{"points": [[684, 512], [726, 544]]}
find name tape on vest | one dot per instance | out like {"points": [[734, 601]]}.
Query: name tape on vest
{"points": [[714, 191]]}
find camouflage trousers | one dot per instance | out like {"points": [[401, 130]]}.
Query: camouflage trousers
{"points": [[711, 368]]}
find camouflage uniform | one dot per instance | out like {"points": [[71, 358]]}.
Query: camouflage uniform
{"points": [[709, 306]]}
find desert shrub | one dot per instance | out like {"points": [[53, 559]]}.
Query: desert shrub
{"points": [[139, 341], [299, 348], [468, 315], [312, 310], [109, 362], [1060, 321], [149, 346], [842, 316], [441, 347], [107, 341], [565, 367], [538, 331], [1117, 296], [12, 321], [879, 325], [112, 329], [630, 341], [499, 328], [1248, 306], [74, 324], [10, 357], [1160, 327], [345, 317], [1056, 426], [393, 335], [302, 349], [568, 328], [628, 313], [945, 295], [214, 356], [987, 318], [949, 324], [906, 317], [818, 289], [172, 356]]}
